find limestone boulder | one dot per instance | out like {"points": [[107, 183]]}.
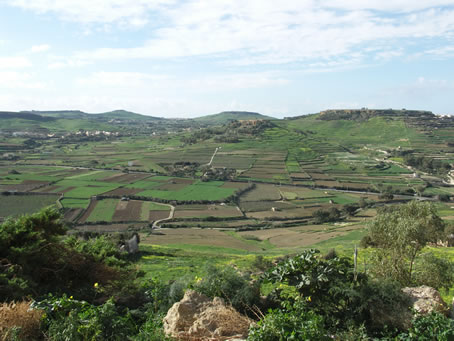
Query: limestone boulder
{"points": [[426, 299], [196, 317]]}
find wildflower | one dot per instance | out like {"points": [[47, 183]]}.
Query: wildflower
{"points": [[71, 297], [309, 299], [96, 285]]}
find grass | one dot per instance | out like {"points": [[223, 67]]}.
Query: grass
{"points": [[198, 191], [171, 262], [103, 211], [75, 203], [13, 205]]}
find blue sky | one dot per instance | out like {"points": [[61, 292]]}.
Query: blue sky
{"points": [[189, 58]]}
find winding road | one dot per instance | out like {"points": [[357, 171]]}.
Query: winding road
{"points": [[156, 222]]}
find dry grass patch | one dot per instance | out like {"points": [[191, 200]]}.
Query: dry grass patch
{"points": [[204, 237], [21, 316], [301, 236]]}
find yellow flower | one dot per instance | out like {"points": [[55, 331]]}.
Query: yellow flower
{"points": [[309, 299], [71, 297], [96, 285]]}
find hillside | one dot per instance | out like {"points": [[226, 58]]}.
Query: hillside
{"points": [[227, 116]]}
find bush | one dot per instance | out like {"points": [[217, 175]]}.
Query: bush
{"points": [[330, 284], [68, 319], [435, 272], [295, 322], [433, 326], [227, 283], [261, 263]]}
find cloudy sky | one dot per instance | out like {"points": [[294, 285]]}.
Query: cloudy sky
{"points": [[186, 58]]}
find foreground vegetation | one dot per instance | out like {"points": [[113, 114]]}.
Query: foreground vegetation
{"points": [[87, 289], [238, 206]]}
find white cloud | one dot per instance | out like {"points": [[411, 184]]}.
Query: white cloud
{"points": [[14, 62], [21, 80], [61, 63], [210, 83], [259, 32], [40, 48], [123, 12]]}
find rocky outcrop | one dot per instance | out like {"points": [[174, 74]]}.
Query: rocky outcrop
{"points": [[426, 299], [196, 317]]}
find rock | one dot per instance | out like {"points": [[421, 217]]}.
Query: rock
{"points": [[426, 299], [196, 316]]}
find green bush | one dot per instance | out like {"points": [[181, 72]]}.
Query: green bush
{"points": [[433, 326], [294, 322], [237, 289], [68, 319], [330, 284], [435, 272]]}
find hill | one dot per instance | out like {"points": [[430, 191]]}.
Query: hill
{"points": [[23, 116], [126, 115], [77, 114], [227, 116]]}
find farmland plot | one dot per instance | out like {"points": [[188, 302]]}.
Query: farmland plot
{"points": [[13, 205], [200, 211]]}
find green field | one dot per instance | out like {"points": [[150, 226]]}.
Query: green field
{"points": [[103, 211], [13, 205]]}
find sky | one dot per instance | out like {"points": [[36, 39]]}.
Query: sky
{"points": [[187, 58]]}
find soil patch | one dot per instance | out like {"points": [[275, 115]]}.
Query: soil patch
{"points": [[128, 211], [88, 211], [157, 215]]}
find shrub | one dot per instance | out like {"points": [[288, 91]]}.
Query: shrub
{"points": [[435, 272], [294, 322], [261, 263], [68, 319], [433, 326], [227, 283], [323, 216]]}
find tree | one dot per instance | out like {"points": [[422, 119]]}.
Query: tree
{"points": [[400, 233]]}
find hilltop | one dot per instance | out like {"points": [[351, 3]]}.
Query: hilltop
{"points": [[227, 116]]}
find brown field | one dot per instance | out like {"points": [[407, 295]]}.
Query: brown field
{"points": [[198, 237], [262, 192], [128, 211], [124, 191], [239, 185], [186, 211], [257, 206], [88, 211], [300, 175], [108, 228], [47, 189], [157, 215], [25, 186], [227, 224], [72, 214], [286, 214], [320, 176], [66, 190], [354, 185], [327, 183], [301, 236]]}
